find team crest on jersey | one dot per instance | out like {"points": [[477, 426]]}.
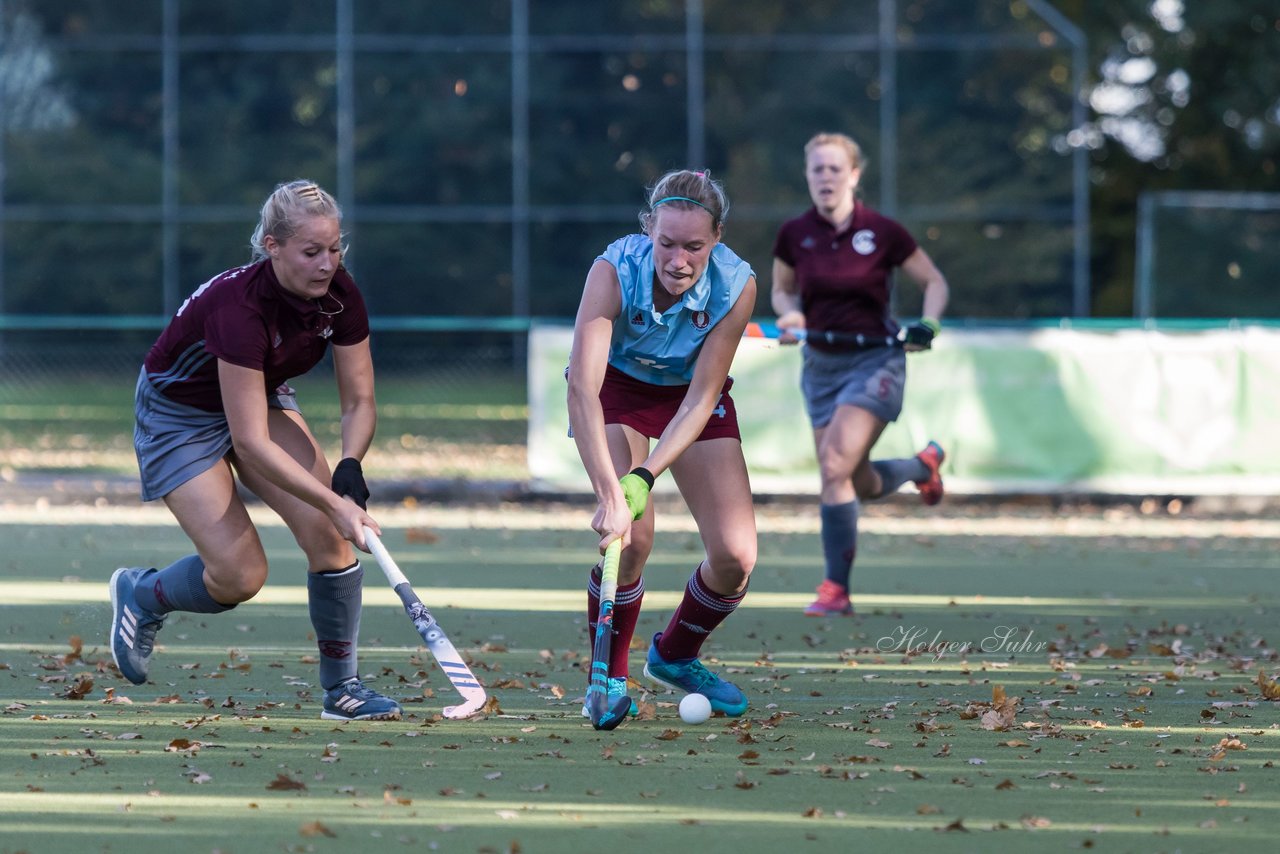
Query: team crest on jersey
{"points": [[808, 242], [326, 332], [864, 241], [637, 319], [701, 320]]}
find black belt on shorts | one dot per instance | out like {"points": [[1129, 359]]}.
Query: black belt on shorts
{"points": [[853, 340]]}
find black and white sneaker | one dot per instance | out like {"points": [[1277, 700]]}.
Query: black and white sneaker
{"points": [[352, 701], [133, 628]]}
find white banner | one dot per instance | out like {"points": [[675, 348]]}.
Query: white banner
{"points": [[1135, 412]]}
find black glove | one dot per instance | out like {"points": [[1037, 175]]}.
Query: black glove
{"points": [[348, 480], [920, 334]]}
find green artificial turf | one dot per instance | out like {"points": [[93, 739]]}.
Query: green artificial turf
{"points": [[1132, 720]]}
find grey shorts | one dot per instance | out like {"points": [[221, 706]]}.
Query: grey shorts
{"points": [[872, 379], [175, 442]]}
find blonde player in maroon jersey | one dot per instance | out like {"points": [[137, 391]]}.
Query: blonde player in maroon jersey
{"points": [[213, 406], [832, 272]]}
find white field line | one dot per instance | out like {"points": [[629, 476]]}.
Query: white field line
{"points": [[518, 517], [73, 592]]}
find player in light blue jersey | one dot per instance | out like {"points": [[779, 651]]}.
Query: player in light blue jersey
{"points": [[661, 347], [661, 316]]}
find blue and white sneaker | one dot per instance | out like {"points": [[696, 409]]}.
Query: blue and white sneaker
{"points": [[352, 701], [691, 677], [133, 627], [617, 688]]}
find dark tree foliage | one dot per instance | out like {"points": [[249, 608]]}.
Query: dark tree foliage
{"points": [[1206, 118], [1181, 96]]}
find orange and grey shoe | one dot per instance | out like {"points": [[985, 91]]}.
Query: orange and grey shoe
{"points": [[832, 601], [931, 489]]}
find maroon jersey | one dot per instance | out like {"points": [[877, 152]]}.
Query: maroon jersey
{"points": [[843, 278], [244, 317]]}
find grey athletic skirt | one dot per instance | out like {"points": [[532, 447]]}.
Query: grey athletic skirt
{"points": [[873, 380], [175, 442]]}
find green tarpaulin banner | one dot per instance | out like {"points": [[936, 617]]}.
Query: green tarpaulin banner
{"points": [[1134, 412]]}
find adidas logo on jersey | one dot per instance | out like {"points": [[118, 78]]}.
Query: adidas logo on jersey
{"points": [[637, 319]]}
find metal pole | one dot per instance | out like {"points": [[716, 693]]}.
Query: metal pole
{"points": [[1143, 286], [4, 130], [169, 236], [695, 63], [1080, 290], [346, 122], [888, 167], [520, 239], [1080, 190]]}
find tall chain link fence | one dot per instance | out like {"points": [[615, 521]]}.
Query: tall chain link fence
{"points": [[483, 154]]}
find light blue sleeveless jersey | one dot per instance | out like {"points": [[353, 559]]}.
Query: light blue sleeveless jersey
{"points": [[661, 348]]}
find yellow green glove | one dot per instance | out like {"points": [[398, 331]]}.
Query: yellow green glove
{"points": [[635, 488]]}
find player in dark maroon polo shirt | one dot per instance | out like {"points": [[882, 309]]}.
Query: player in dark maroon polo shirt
{"points": [[213, 405], [832, 277]]}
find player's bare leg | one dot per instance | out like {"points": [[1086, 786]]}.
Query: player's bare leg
{"points": [[627, 449], [209, 510], [712, 477], [335, 578]]}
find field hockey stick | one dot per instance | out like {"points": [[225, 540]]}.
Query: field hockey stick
{"points": [[432, 635], [856, 340], [603, 715]]}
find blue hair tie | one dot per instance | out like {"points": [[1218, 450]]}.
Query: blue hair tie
{"points": [[681, 199]]}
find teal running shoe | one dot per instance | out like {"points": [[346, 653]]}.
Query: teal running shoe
{"points": [[691, 677], [617, 688]]}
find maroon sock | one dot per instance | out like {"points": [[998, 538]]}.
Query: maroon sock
{"points": [[699, 612], [626, 613]]}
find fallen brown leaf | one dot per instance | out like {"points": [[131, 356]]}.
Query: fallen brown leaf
{"points": [[421, 535], [77, 647], [284, 783], [1003, 711], [81, 689], [315, 828]]}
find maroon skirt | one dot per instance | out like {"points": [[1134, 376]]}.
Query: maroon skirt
{"points": [[648, 409]]}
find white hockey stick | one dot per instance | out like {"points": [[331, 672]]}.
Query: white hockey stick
{"points": [[432, 635]]}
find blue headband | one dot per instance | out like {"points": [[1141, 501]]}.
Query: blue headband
{"points": [[682, 199]]}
